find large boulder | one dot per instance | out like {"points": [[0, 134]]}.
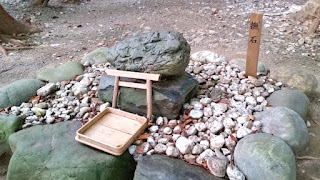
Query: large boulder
{"points": [[159, 167], [297, 78], [9, 124], [63, 72], [287, 125], [168, 96], [161, 52], [18, 92], [264, 157], [292, 99], [50, 152]]}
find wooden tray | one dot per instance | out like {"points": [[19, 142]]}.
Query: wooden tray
{"points": [[114, 130]]}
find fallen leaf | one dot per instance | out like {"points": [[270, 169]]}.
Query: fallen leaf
{"points": [[254, 131], [34, 98], [204, 164], [233, 138], [187, 112], [225, 101], [143, 136], [268, 105], [187, 122], [139, 149], [75, 76]]}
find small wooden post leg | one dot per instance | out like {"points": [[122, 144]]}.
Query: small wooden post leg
{"points": [[115, 91], [149, 99]]}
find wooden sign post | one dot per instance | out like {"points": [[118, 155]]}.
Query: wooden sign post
{"points": [[253, 44]]}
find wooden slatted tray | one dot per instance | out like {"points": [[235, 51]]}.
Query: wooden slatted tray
{"points": [[114, 130]]}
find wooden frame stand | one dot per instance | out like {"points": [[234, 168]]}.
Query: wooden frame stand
{"points": [[114, 130]]}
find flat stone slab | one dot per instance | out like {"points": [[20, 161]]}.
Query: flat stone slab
{"points": [[264, 157], [161, 52], [50, 152], [159, 167], [287, 125], [168, 96], [292, 99], [18, 92], [63, 72]]}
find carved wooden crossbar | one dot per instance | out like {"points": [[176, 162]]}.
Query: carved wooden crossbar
{"points": [[135, 75]]}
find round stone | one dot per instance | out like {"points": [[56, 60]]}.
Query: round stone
{"points": [[287, 125], [292, 99], [265, 156]]}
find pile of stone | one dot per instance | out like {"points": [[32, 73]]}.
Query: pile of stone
{"points": [[229, 107], [227, 124]]}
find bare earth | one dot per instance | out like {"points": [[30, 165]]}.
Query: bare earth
{"points": [[72, 30]]}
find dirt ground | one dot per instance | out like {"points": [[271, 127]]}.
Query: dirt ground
{"points": [[72, 30]]}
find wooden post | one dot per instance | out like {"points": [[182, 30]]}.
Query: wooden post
{"points": [[253, 44], [149, 99], [115, 91]]}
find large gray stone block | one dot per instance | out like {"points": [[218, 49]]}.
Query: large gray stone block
{"points": [[168, 96], [159, 167], [50, 152], [161, 52]]}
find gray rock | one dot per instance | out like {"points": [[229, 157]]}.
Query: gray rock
{"points": [[18, 92], [38, 111], [287, 125], [265, 157], [63, 72], [168, 96], [51, 152], [161, 52], [79, 89], [241, 65], [47, 89], [215, 94], [96, 57], [158, 167], [9, 124], [292, 99], [297, 78]]}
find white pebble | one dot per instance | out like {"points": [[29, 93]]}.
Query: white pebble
{"points": [[172, 151], [153, 128], [184, 145], [243, 131], [200, 126], [160, 148], [207, 112], [167, 130], [191, 131], [217, 142], [196, 113], [159, 121]]}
